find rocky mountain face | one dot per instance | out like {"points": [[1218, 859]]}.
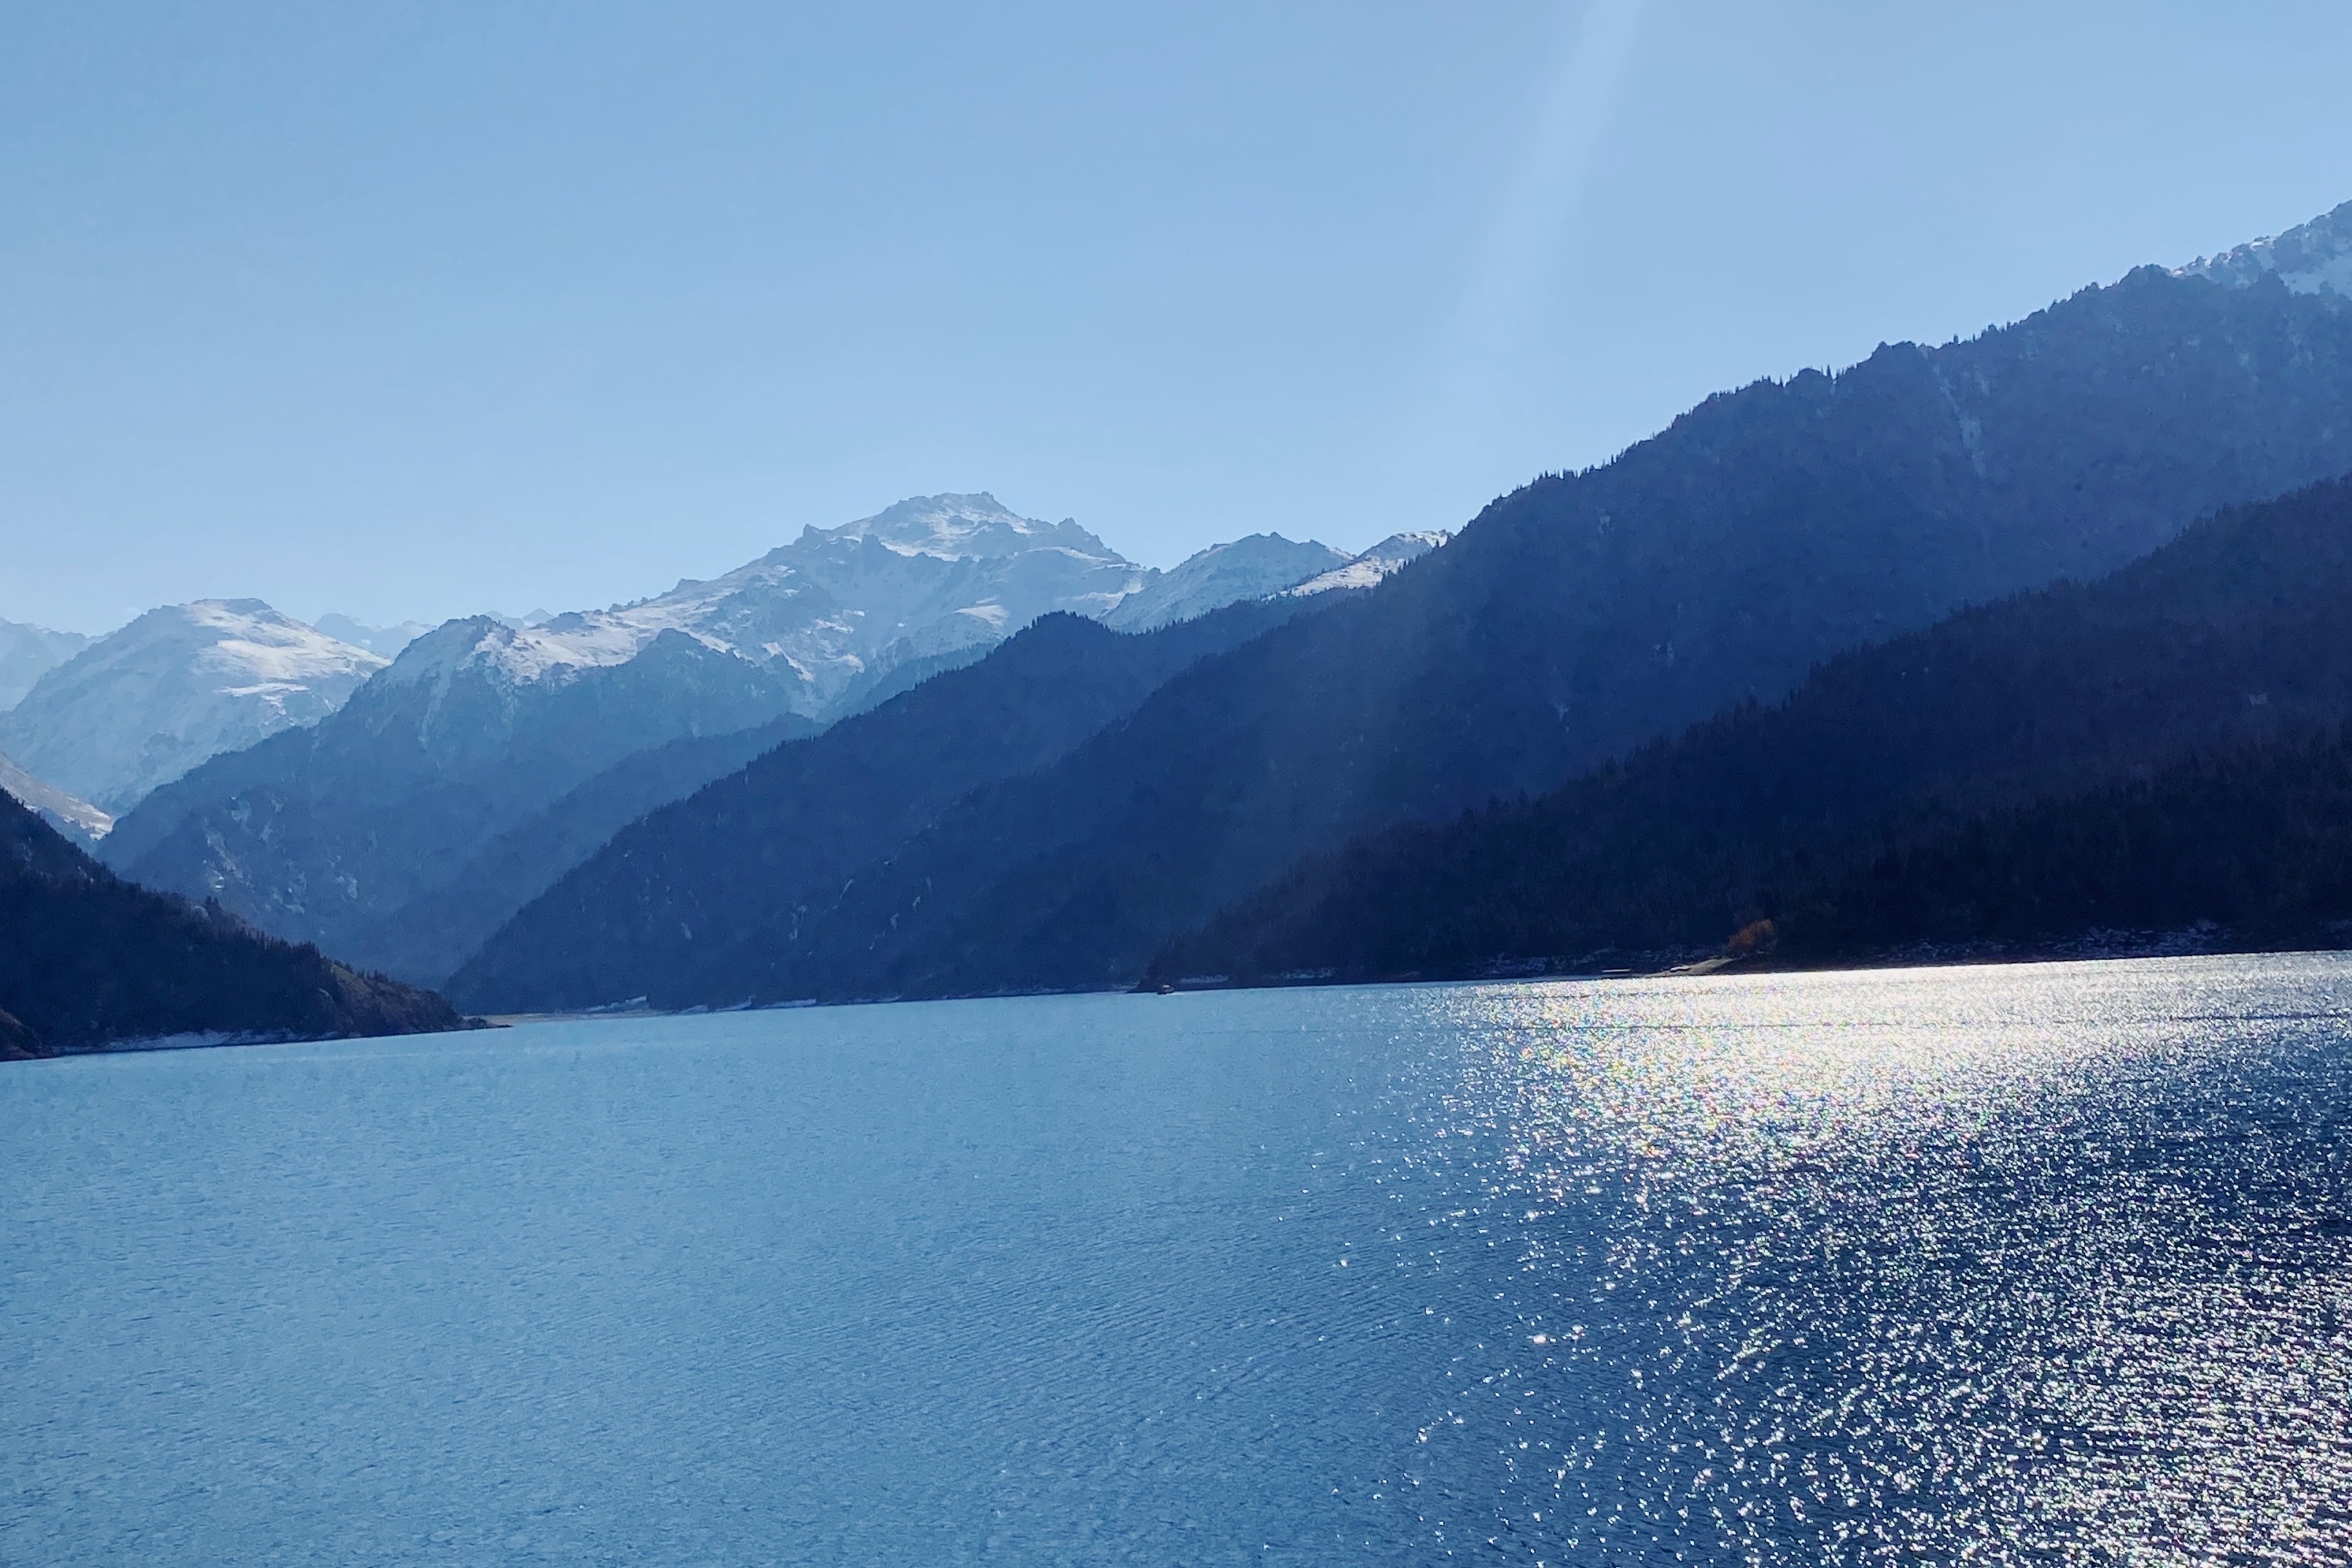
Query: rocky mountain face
{"points": [[2001, 725], [142, 705], [89, 961], [1585, 615], [425, 939], [28, 653]]}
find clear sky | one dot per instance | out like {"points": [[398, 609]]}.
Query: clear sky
{"points": [[413, 310]]}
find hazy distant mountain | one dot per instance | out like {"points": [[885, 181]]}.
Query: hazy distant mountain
{"points": [[1996, 757], [1587, 614], [425, 939], [1222, 574], [321, 834], [76, 818], [142, 705], [384, 641], [28, 653], [86, 961]]}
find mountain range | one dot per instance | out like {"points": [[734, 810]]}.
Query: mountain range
{"points": [[78, 820], [1573, 622], [838, 620], [491, 756], [1826, 659]]}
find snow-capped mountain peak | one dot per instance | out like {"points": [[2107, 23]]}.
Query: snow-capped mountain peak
{"points": [[2311, 258], [959, 528], [828, 615], [180, 684]]}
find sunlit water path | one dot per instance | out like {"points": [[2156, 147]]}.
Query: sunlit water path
{"points": [[2044, 1264]]}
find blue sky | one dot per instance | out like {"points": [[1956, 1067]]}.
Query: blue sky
{"points": [[414, 310]]}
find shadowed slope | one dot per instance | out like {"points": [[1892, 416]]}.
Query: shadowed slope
{"points": [[86, 961], [2229, 635]]}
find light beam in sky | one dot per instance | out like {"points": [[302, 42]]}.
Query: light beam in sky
{"points": [[1520, 249]]}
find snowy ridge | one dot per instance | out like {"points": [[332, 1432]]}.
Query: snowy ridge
{"points": [[930, 577], [74, 817], [2312, 258], [179, 684], [1250, 568], [1381, 560]]}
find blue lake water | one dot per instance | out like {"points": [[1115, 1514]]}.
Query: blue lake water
{"points": [[2047, 1264]]}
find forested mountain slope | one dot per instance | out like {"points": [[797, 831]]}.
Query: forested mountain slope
{"points": [[2248, 847], [681, 892], [2231, 636], [86, 961], [1581, 616], [425, 939]]}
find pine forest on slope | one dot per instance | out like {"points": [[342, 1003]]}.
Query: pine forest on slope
{"points": [[87, 961], [2228, 637]]}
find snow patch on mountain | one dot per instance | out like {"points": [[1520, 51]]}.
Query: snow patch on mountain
{"points": [[2311, 258], [69, 815], [1249, 568], [1380, 562], [930, 576], [181, 684]]}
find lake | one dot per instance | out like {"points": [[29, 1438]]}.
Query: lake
{"points": [[2045, 1263]]}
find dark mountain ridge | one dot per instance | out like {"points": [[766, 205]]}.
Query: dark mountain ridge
{"points": [[1572, 621], [87, 961], [2228, 637]]}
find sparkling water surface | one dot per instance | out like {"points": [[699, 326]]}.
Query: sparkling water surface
{"points": [[2042, 1264]]}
